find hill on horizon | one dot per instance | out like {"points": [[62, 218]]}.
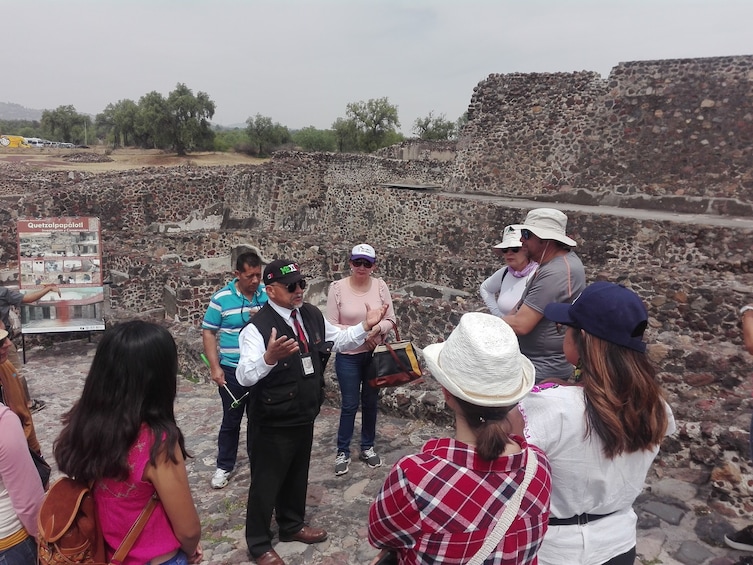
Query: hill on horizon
{"points": [[12, 111]]}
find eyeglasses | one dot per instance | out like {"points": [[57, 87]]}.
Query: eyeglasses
{"points": [[291, 287], [526, 234], [511, 249], [362, 263]]}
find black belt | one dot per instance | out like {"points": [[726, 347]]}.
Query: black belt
{"points": [[580, 519]]}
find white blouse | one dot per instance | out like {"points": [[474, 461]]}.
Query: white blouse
{"points": [[584, 480]]}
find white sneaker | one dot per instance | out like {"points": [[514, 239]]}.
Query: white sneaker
{"points": [[220, 478]]}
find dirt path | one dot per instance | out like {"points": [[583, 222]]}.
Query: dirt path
{"points": [[119, 159]]}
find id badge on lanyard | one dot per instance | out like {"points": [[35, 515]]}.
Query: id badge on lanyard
{"points": [[308, 364]]}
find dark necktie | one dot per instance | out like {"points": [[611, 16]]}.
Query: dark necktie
{"points": [[299, 330]]}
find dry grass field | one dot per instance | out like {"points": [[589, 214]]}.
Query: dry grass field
{"points": [[121, 159]]}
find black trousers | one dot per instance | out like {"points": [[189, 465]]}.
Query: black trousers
{"points": [[627, 558], [280, 462]]}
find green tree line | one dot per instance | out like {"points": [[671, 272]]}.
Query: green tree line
{"points": [[181, 122]]}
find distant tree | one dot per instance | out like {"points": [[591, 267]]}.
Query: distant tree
{"points": [[117, 123], [312, 139], [59, 124], [189, 116], [25, 128], [179, 122], [434, 128], [375, 119], [234, 139], [346, 135], [153, 126], [264, 135]]}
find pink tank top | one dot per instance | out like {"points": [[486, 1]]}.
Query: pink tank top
{"points": [[119, 504]]}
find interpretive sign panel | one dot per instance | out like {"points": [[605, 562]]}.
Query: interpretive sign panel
{"points": [[66, 252]]}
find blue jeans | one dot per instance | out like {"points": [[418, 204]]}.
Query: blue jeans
{"points": [[24, 553], [230, 429], [352, 374], [177, 559]]}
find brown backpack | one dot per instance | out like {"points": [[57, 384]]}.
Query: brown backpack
{"points": [[68, 527], [69, 532]]}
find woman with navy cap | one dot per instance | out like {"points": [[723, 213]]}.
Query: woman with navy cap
{"points": [[602, 434]]}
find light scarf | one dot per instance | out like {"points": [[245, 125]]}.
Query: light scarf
{"points": [[531, 267]]}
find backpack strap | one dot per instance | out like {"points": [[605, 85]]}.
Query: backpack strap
{"points": [[133, 534]]}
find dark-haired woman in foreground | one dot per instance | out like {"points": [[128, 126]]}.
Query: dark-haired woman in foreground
{"points": [[600, 435], [122, 435]]}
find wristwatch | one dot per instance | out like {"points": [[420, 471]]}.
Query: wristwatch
{"points": [[746, 308]]}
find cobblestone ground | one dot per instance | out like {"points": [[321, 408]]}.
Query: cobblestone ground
{"points": [[673, 528]]}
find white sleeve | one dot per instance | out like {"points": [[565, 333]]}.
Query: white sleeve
{"points": [[489, 290], [251, 365], [344, 339]]}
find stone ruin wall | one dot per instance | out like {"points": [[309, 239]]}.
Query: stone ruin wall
{"points": [[653, 134], [169, 233]]}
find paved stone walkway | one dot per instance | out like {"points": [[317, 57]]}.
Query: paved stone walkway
{"points": [[675, 526]]}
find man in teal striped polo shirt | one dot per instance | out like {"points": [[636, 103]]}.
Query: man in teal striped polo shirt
{"points": [[229, 311]]}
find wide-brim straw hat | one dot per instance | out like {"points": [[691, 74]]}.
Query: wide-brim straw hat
{"points": [[481, 362]]}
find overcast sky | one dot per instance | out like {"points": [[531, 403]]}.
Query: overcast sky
{"points": [[300, 62]]}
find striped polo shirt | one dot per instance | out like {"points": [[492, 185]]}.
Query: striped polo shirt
{"points": [[228, 313]]}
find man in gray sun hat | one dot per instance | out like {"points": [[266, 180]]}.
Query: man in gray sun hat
{"points": [[559, 278]]}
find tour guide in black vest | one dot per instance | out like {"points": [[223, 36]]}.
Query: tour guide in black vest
{"points": [[282, 355]]}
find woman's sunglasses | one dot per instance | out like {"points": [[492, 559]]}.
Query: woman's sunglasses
{"points": [[511, 249], [362, 263], [291, 287]]}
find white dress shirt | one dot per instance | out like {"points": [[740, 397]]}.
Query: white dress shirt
{"points": [[251, 365]]}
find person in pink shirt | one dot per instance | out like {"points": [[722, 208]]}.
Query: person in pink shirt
{"points": [[122, 435], [346, 305], [20, 497]]}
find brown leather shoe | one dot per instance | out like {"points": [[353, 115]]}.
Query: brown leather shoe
{"points": [[307, 534], [270, 558]]}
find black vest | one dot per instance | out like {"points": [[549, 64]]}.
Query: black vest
{"points": [[286, 397]]}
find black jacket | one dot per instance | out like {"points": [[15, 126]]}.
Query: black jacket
{"points": [[286, 397]]}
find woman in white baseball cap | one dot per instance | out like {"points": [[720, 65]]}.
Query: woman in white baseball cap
{"points": [[503, 290], [346, 305], [428, 499]]}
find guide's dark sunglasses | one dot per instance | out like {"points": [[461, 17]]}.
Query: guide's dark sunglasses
{"points": [[291, 287], [362, 263], [526, 234]]}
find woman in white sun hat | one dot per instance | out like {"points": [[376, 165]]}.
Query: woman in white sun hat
{"points": [[443, 505], [503, 290]]}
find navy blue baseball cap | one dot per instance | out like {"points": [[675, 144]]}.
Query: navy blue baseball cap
{"points": [[609, 311]]}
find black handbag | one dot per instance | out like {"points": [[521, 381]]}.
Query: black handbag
{"points": [[43, 468], [394, 364]]}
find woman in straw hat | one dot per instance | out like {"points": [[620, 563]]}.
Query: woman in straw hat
{"points": [[503, 290], [442, 505], [602, 434]]}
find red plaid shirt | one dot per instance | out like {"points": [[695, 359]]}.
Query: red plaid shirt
{"points": [[440, 505]]}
